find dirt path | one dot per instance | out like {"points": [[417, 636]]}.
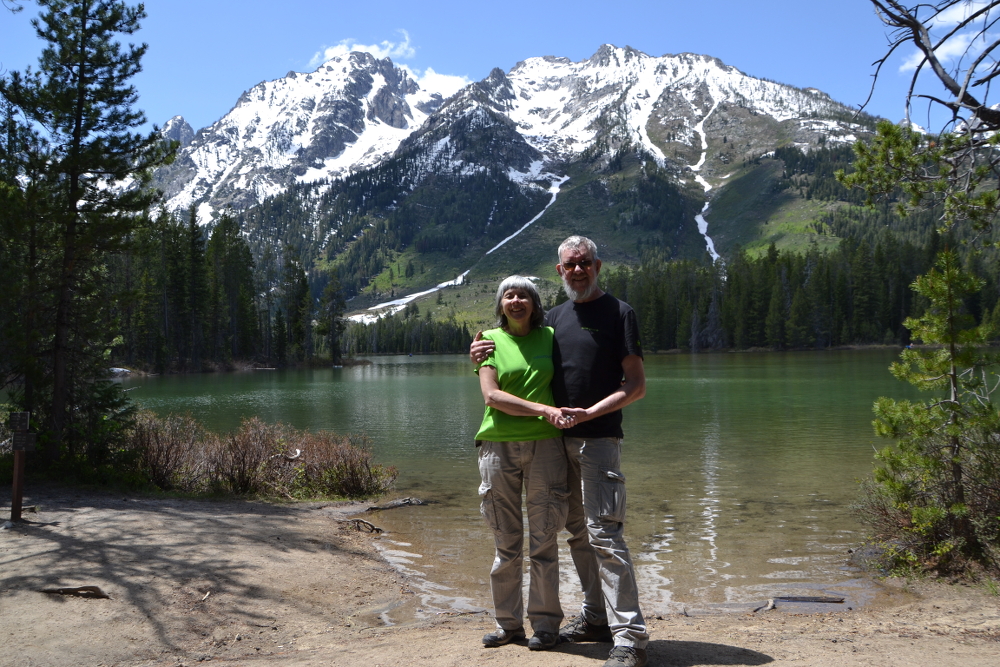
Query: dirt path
{"points": [[290, 585]]}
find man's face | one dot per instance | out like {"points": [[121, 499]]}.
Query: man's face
{"points": [[579, 273]]}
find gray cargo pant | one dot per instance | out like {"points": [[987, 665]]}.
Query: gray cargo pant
{"points": [[540, 466], [596, 522]]}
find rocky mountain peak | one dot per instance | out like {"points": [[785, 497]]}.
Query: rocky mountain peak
{"points": [[356, 111], [177, 129]]}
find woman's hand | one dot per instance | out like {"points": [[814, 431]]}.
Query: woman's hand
{"points": [[559, 418]]}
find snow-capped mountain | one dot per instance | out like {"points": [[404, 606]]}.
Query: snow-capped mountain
{"points": [[689, 112], [177, 129], [349, 114], [673, 107], [561, 107]]}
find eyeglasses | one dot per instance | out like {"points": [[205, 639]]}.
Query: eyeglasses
{"points": [[571, 266]]}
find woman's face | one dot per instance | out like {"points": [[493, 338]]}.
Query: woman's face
{"points": [[517, 306]]}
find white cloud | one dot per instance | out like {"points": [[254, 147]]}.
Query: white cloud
{"points": [[956, 47], [446, 84], [386, 49], [957, 13]]}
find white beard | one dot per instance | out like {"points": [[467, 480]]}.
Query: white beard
{"points": [[579, 296]]}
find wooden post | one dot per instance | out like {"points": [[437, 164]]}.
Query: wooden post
{"points": [[18, 495], [22, 442]]}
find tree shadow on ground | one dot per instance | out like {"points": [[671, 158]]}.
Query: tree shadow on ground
{"points": [[165, 556], [671, 653]]}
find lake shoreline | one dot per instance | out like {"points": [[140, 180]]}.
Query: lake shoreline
{"points": [[298, 585], [242, 366]]}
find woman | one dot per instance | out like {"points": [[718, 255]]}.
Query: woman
{"points": [[519, 443]]}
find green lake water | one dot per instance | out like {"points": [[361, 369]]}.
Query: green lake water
{"points": [[741, 467]]}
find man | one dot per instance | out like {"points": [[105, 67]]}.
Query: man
{"points": [[598, 371]]}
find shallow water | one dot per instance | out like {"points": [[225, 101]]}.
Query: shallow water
{"points": [[741, 467]]}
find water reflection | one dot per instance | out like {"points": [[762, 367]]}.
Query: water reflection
{"points": [[741, 467]]}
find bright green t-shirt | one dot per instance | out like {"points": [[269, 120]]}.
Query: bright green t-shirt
{"points": [[524, 369]]}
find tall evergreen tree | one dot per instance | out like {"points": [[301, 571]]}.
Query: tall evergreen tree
{"points": [[232, 321], [330, 324], [82, 103]]}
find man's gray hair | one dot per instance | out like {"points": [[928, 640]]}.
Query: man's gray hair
{"points": [[575, 242], [521, 283]]}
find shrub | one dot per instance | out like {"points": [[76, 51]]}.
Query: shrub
{"points": [[336, 465], [933, 502], [260, 459], [239, 460], [169, 449]]}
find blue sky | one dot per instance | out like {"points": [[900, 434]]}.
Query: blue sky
{"points": [[203, 55]]}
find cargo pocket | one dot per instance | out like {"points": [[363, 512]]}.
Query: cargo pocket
{"points": [[558, 507], [612, 495], [488, 508], [488, 466]]}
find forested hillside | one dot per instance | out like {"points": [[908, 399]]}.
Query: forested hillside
{"points": [[187, 300]]}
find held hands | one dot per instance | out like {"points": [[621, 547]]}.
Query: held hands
{"points": [[480, 348], [564, 417]]}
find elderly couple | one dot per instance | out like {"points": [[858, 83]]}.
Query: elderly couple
{"points": [[583, 355]]}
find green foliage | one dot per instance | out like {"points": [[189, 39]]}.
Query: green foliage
{"points": [[406, 333], [232, 324], [951, 172], [935, 496], [330, 325], [68, 137], [852, 295]]}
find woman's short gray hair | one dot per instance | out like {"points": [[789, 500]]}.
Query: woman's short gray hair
{"points": [[521, 283]]}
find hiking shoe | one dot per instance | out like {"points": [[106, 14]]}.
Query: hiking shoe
{"points": [[579, 630], [501, 637], [626, 656], [543, 641]]}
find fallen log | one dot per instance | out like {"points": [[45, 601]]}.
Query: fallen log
{"points": [[79, 591], [399, 502]]}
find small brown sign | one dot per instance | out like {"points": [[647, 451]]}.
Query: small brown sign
{"points": [[23, 442], [20, 421]]}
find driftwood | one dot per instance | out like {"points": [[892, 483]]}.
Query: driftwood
{"points": [[361, 523], [399, 502], [461, 613], [798, 598], [79, 591]]}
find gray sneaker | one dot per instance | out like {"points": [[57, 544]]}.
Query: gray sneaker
{"points": [[543, 641], [627, 656], [501, 637], [579, 630]]}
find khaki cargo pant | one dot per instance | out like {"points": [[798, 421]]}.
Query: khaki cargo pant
{"points": [[540, 467], [596, 523]]}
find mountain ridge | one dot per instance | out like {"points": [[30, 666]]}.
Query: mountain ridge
{"points": [[355, 169], [287, 130]]}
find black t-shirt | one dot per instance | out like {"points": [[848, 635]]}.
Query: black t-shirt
{"points": [[591, 340]]}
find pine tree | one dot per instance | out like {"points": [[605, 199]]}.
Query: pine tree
{"points": [[82, 105], [280, 338], [197, 290], [330, 324], [232, 322]]}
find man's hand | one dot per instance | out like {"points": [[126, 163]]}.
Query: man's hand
{"points": [[480, 348], [576, 415], [632, 389], [561, 417]]}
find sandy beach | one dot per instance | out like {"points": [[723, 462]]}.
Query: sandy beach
{"points": [[248, 583]]}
